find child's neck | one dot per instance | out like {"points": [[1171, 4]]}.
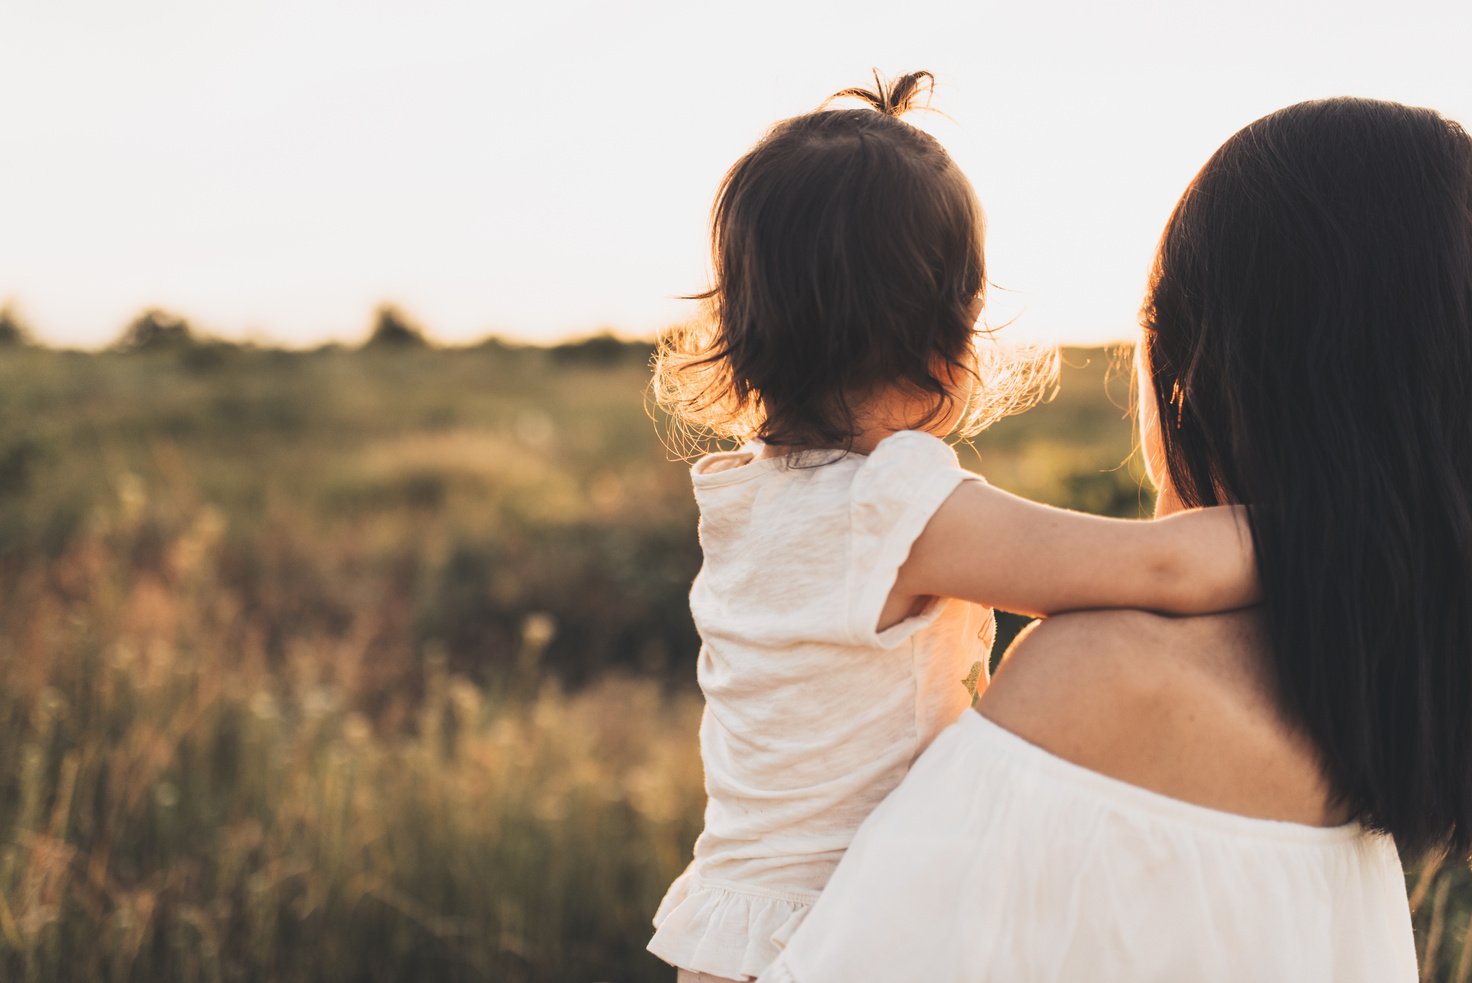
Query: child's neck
{"points": [[868, 439], [863, 443], [876, 419], [891, 410]]}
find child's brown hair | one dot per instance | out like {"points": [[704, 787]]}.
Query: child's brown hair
{"points": [[847, 249]]}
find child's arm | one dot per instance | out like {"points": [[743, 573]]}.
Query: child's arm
{"points": [[994, 548]]}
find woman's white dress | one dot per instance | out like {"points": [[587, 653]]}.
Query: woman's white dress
{"points": [[996, 860]]}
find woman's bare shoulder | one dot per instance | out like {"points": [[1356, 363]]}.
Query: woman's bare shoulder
{"points": [[1136, 654], [1076, 683], [1181, 706]]}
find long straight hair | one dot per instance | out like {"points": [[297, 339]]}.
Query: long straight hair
{"points": [[1309, 340]]}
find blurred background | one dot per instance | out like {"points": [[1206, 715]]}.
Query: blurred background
{"points": [[343, 572]]}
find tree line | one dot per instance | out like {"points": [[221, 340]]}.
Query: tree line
{"points": [[157, 329]]}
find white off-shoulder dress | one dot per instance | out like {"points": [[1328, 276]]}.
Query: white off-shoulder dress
{"points": [[998, 861], [812, 715]]}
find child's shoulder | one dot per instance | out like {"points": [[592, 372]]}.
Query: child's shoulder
{"points": [[906, 460], [899, 487], [913, 448]]}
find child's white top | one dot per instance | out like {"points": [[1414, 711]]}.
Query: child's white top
{"points": [[996, 860], [812, 715]]}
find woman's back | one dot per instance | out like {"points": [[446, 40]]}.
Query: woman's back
{"points": [[1117, 833], [1186, 707]]}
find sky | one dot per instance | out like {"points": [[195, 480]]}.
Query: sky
{"points": [[274, 169]]}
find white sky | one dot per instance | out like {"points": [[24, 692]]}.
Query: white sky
{"points": [[274, 168]]}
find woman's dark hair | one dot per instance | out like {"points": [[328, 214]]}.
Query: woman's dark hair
{"points": [[1309, 340], [847, 254]]}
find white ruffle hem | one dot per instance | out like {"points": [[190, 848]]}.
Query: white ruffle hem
{"points": [[714, 928]]}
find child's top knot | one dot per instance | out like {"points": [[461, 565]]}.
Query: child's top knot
{"points": [[894, 98]]}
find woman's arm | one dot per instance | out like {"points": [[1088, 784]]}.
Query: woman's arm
{"points": [[994, 548]]}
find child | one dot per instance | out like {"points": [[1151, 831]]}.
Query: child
{"points": [[849, 558]]}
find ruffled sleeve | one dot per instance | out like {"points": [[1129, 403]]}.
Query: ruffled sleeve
{"points": [[709, 928], [895, 494]]}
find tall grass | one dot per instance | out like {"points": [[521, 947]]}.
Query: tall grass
{"points": [[176, 807]]}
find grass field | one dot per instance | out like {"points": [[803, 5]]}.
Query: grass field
{"points": [[375, 665]]}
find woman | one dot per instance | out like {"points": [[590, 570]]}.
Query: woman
{"points": [[1144, 798]]}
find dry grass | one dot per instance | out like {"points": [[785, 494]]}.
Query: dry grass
{"points": [[176, 807]]}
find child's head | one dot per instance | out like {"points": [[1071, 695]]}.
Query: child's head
{"points": [[847, 253]]}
